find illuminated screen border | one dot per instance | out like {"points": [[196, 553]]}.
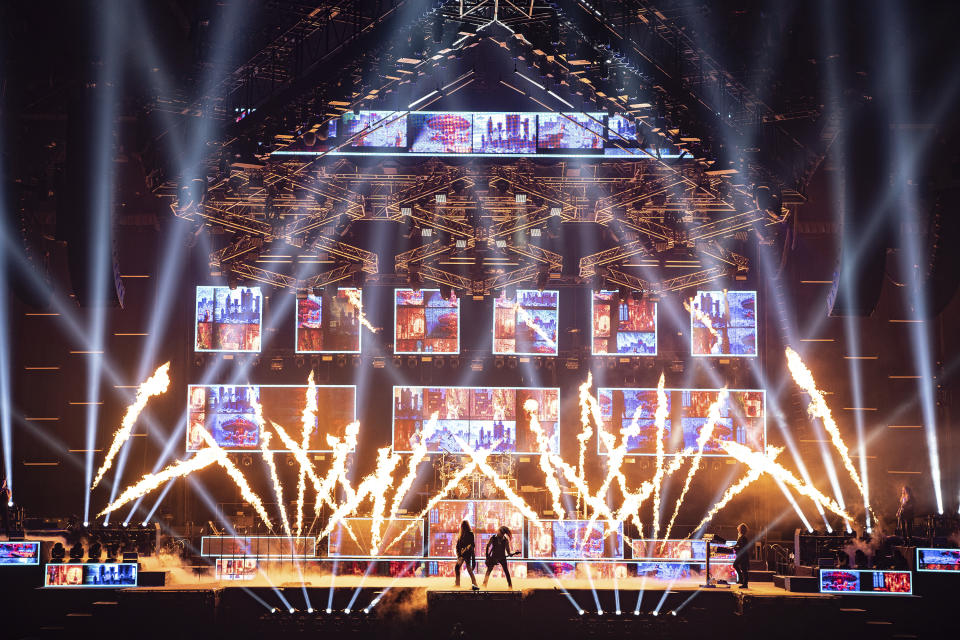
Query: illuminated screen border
{"points": [[424, 353], [206, 553], [196, 321], [393, 411], [83, 565], [599, 524], [756, 297], [493, 332], [272, 386], [296, 328], [656, 332], [947, 571], [861, 592], [682, 389], [36, 554]]}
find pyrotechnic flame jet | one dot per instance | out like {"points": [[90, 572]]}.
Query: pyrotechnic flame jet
{"points": [[531, 406], [586, 431], [660, 422], [155, 385], [238, 478], [419, 454], [486, 469], [751, 476], [202, 459], [271, 465], [355, 300], [308, 421], [528, 320]]}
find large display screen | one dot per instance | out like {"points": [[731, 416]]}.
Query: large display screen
{"points": [[329, 324], [626, 328], [865, 581], [425, 322], [505, 133], [353, 537], [621, 132], [673, 549], [20, 552], [228, 319], [732, 320], [938, 559], [226, 412], [526, 324], [484, 516], [117, 574], [236, 568], [450, 132], [485, 418], [382, 129], [580, 131], [265, 547], [742, 418], [575, 539]]}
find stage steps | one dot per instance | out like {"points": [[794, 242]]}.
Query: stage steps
{"points": [[758, 575]]}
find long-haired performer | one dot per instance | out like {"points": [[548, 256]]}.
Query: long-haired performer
{"points": [[497, 552], [466, 553]]}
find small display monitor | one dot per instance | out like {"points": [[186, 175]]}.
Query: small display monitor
{"points": [[329, 324], [448, 132], [526, 324], [228, 319], [236, 568], [425, 322], [19, 552], [724, 323], [623, 327]]}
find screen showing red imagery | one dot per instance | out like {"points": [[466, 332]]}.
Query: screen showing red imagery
{"points": [[228, 319], [724, 323], [484, 516], [425, 322], [526, 324], [329, 324], [627, 327]]}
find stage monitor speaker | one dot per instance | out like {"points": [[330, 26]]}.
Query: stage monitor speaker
{"points": [[943, 265], [856, 287]]}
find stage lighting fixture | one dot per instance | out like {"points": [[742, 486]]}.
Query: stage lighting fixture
{"points": [[309, 609], [93, 553], [674, 612], [624, 294], [233, 281], [341, 361], [581, 612], [446, 291], [415, 280], [654, 614], [542, 280], [291, 610], [346, 610], [498, 362], [510, 292], [276, 364], [356, 110], [329, 610], [397, 361], [76, 552], [246, 461], [302, 294], [301, 362], [411, 361]]}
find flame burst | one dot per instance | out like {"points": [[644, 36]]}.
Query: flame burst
{"points": [[751, 476], [271, 465], [528, 320], [155, 385], [419, 454], [698, 313], [660, 422], [531, 406], [481, 463], [151, 481], [308, 419], [586, 431], [355, 299], [238, 478]]}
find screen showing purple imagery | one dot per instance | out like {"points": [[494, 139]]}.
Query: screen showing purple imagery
{"points": [[115, 574], [19, 552], [484, 418], [228, 319], [929, 559], [526, 324], [226, 412], [724, 323], [441, 132], [742, 419], [329, 325], [504, 133], [382, 129], [574, 539], [619, 408], [626, 327], [425, 323], [580, 131], [621, 132]]}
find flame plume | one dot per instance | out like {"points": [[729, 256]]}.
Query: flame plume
{"points": [[151, 481], [238, 478], [528, 320], [706, 433], [660, 421], [271, 465], [356, 301], [500, 483], [701, 316], [586, 431], [154, 385], [418, 455], [531, 406], [308, 420], [752, 476]]}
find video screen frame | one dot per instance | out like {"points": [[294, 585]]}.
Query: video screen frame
{"points": [[425, 306], [247, 569], [417, 533], [298, 328], [554, 312], [9, 547], [379, 119], [618, 353], [861, 575], [615, 548], [755, 327], [952, 554], [593, 122], [257, 550], [85, 570], [257, 293], [488, 117], [482, 532]]}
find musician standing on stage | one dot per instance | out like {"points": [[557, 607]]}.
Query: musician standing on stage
{"points": [[497, 552], [742, 562], [905, 514], [466, 553]]}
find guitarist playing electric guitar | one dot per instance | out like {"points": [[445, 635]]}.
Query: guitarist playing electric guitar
{"points": [[498, 550]]}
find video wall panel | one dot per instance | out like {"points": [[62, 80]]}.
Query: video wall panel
{"points": [[733, 317], [575, 539], [623, 328], [425, 323], [329, 324], [570, 131], [236, 568], [354, 537], [940, 560], [742, 418], [20, 552], [512, 133], [378, 129], [865, 581], [226, 412], [484, 516], [91, 574], [485, 418], [527, 324], [266, 547], [228, 319], [441, 132]]}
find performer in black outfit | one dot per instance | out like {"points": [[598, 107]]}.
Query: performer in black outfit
{"points": [[905, 514], [742, 562], [466, 553], [5, 508], [498, 550]]}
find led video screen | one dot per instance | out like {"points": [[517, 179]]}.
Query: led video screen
{"points": [[20, 552], [353, 537], [625, 328], [228, 319], [426, 323], [485, 418], [527, 324], [575, 539], [450, 132], [505, 133], [674, 549], [865, 581], [724, 323], [329, 324], [580, 131], [938, 559], [226, 412], [484, 516], [236, 568], [258, 546], [380, 129], [118, 574], [621, 132], [742, 419]]}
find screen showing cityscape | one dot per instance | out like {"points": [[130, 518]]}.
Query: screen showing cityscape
{"points": [[114, 574], [329, 324], [426, 323], [484, 418], [623, 327], [505, 133], [226, 412], [742, 419], [580, 131], [526, 324], [724, 323], [228, 319]]}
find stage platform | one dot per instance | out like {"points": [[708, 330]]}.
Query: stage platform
{"points": [[432, 608]]}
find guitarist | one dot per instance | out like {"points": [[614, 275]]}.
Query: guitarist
{"points": [[498, 550]]}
